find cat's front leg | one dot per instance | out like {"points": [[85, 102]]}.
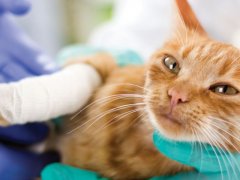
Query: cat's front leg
{"points": [[49, 96], [104, 63]]}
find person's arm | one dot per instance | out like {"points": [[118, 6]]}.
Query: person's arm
{"points": [[20, 57]]}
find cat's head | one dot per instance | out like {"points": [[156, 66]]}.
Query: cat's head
{"points": [[193, 86]]}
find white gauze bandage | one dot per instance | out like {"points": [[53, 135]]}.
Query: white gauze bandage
{"points": [[49, 96]]}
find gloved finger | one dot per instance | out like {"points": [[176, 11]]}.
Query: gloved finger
{"points": [[59, 171], [14, 72], [24, 134], [17, 7], [35, 60], [31, 56], [17, 164], [11, 70], [22, 49]]}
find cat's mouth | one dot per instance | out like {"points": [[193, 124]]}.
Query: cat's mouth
{"points": [[171, 126], [169, 118]]}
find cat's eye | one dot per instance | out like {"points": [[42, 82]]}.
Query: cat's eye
{"points": [[224, 89], [172, 64]]}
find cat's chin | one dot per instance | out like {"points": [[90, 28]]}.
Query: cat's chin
{"points": [[170, 127]]}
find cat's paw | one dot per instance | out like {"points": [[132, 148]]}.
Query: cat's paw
{"points": [[103, 63]]}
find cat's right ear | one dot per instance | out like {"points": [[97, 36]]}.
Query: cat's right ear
{"points": [[185, 18]]}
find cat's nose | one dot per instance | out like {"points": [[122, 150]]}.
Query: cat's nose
{"points": [[177, 96]]}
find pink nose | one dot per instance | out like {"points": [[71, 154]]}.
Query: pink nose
{"points": [[177, 97]]}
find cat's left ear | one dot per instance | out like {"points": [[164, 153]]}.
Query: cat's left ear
{"points": [[186, 18]]}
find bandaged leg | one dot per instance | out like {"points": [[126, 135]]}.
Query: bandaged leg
{"points": [[49, 96]]}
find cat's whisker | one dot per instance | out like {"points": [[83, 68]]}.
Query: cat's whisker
{"points": [[198, 139], [221, 151], [216, 143], [108, 98], [219, 144], [121, 116], [206, 135], [195, 134], [104, 114], [219, 128], [129, 84], [98, 117], [143, 114], [209, 138], [223, 144], [225, 121], [114, 110]]}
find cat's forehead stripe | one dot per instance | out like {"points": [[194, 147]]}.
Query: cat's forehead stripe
{"points": [[221, 61], [205, 50], [226, 67], [196, 52]]}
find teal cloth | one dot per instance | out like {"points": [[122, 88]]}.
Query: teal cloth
{"points": [[209, 162], [204, 158], [123, 56], [57, 171]]}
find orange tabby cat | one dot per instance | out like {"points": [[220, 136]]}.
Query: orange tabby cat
{"points": [[188, 91]]}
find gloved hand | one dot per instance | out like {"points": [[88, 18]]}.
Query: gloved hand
{"points": [[17, 7], [20, 57]]}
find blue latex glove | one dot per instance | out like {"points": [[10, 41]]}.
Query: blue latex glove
{"points": [[20, 57], [17, 7]]}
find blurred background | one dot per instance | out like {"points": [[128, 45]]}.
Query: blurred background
{"points": [[140, 25], [56, 23]]}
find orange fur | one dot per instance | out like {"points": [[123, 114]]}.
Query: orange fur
{"points": [[113, 136]]}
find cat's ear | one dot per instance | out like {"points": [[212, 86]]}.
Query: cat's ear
{"points": [[185, 18]]}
